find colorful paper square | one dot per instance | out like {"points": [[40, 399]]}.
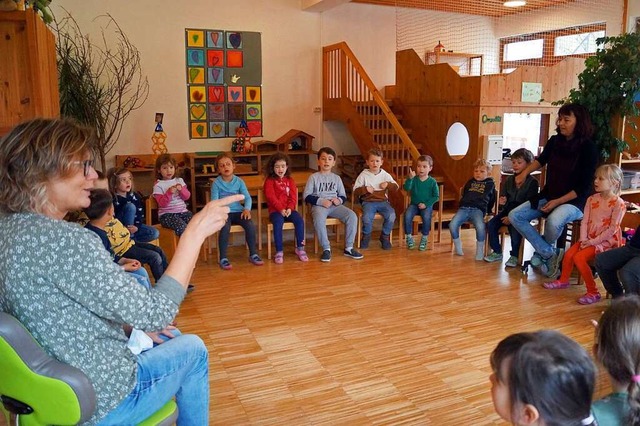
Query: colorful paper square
{"points": [[254, 112], [197, 94], [195, 38], [234, 40], [215, 58], [253, 94], [232, 126], [197, 112], [217, 129], [199, 130], [235, 111], [216, 94], [235, 59], [195, 75], [195, 57], [216, 112], [215, 75], [255, 128], [215, 39], [234, 94]]}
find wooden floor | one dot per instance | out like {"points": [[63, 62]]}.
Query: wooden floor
{"points": [[400, 337]]}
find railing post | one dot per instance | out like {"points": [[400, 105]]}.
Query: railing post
{"points": [[343, 74]]}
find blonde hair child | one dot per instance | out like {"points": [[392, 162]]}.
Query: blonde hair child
{"points": [[171, 192], [599, 231]]}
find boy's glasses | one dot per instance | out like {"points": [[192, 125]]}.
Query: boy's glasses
{"points": [[86, 166]]}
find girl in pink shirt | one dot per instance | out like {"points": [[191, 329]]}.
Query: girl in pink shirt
{"points": [[171, 192], [599, 231]]}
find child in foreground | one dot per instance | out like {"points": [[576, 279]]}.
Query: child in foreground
{"points": [[478, 198], [424, 193], [542, 378], [281, 194], [371, 189], [511, 196], [599, 232], [227, 184], [326, 195], [617, 348]]}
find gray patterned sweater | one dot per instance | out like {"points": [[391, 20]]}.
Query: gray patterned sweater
{"points": [[61, 284]]}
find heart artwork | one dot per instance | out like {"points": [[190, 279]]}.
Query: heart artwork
{"points": [[200, 129], [193, 74], [235, 95], [217, 128], [253, 112], [252, 94], [217, 94], [198, 111], [215, 60], [195, 57], [214, 37], [195, 38], [235, 39], [197, 95]]}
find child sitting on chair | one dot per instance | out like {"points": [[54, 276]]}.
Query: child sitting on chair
{"points": [[371, 188], [478, 198], [424, 193], [227, 184]]}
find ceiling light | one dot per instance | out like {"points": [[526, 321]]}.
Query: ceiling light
{"points": [[514, 3]]}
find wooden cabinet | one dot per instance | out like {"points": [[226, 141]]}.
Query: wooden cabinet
{"points": [[28, 72]]}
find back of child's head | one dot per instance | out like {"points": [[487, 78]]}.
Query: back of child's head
{"points": [[374, 152], [327, 150], [164, 159], [426, 159], [618, 348], [101, 202], [548, 371], [522, 154], [482, 163], [223, 155], [278, 156], [114, 174], [613, 174]]}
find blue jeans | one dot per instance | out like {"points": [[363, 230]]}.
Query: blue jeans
{"points": [[494, 238], [177, 367], [521, 218], [468, 214], [369, 210], [425, 214], [145, 233], [142, 277], [249, 234], [278, 220]]}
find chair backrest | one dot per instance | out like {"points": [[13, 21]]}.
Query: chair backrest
{"points": [[58, 393]]}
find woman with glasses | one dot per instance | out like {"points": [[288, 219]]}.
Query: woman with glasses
{"points": [[59, 282]]}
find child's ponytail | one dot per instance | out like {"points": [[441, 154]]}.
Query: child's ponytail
{"points": [[634, 400]]}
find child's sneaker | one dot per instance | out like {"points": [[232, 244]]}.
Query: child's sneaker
{"points": [[255, 259], [385, 241], [493, 257], [353, 254], [554, 263], [326, 256], [512, 262], [555, 285], [364, 241], [536, 260], [410, 244], [225, 264], [302, 255], [278, 258], [589, 299], [424, 240]]}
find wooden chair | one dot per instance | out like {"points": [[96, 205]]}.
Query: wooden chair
{"points": [[357, 208], [487, 218], [286, 226], [435, 217], [331, 221], [212, 241], [168, 239]]}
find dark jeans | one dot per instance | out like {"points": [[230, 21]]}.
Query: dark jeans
{"points": [[621, 264], [151, 255], [278, 220], [494, 238], [249, 234]]}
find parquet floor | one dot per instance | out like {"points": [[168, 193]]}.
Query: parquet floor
{"points": [[400, 337]]}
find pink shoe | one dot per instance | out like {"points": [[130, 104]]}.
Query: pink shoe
{"points": [[555, 285], [278, 258], [302, 255], [589, 298]]}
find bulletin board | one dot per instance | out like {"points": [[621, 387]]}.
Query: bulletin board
{"points": [[224, 82]]}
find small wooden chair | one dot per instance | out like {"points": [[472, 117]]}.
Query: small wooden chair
{"points": [[168, 240], [267, 223], [211, 241], [331, 221], [418, 219], [357, 208]]}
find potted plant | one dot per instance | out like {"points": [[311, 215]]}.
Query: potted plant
{"points": [[607, 87]]}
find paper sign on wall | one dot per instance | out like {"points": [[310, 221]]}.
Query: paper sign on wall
{"points": [[531, 92]]}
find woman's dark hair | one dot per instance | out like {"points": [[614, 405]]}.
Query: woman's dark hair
{"points": [[165, 159], [618, 348], [278, 156], [584, 127], [550, 372], [100, 202]]}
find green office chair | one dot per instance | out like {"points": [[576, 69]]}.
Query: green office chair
{"points": [[39, 390]]}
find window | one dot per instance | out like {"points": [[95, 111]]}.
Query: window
{"points": [[576, 44], [523, 50]]}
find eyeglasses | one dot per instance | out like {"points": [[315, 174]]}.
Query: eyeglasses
{"points": [[87, 165]]}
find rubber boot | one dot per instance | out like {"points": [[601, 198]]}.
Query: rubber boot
{"points": [[457, 244], [385, 240], [479, 250]]}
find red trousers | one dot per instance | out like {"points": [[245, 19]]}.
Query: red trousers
{"points": [[580, 258]]}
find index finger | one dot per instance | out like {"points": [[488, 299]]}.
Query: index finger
{"points": [[227, 200]]}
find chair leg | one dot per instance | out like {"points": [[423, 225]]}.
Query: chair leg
{"points": [[269, 232], [358, 230]]}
